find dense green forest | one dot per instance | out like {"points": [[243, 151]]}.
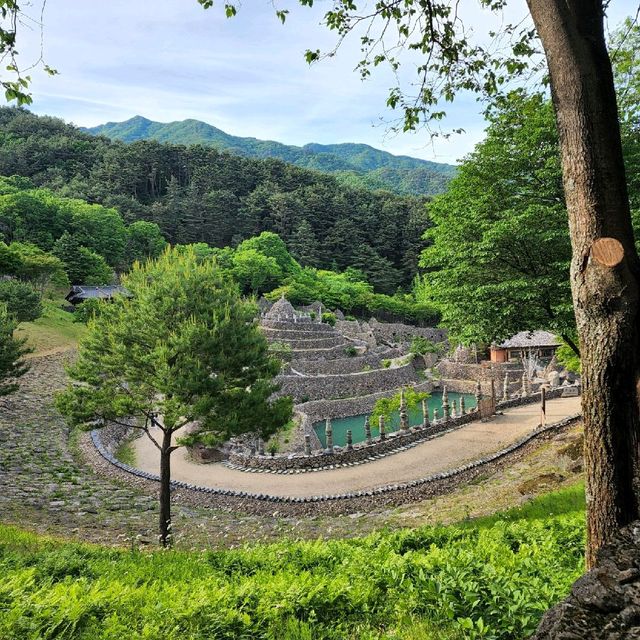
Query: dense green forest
{"points": [[356, 165], [198, 194]]}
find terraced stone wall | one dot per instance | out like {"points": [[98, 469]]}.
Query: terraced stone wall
{"points": [[398, 332], [316, 343], [345, 365], [298, 333], [464, 371], [321, 409], [346, 385], [295, 326], [333, 353]]}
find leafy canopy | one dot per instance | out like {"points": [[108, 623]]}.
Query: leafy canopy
{"points": [[184, 347], [498, 262]]}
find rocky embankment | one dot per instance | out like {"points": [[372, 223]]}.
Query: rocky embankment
{"points": [[604, 603]]}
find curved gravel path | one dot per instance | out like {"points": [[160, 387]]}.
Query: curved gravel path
{"points": [[448, 451]]}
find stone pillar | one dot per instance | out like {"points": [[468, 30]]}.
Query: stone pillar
{"points": [[367, 430], [404, 420], [462, 407], [307, 445], [454, 413], [478, 394], [328, 432], [349, 440], [383, 435], [525, 385], [445, 404], [435, 415], [425, 415], [505, 387], [260, 447]]}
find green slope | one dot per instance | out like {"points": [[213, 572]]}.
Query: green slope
{"points": [[355, 164]]}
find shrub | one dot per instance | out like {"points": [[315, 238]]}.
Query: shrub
{"points": [[23, 302], [88, 309], [351, 351], [329, 318], [421, 346]]}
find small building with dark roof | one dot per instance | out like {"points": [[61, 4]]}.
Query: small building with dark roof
{"points": [[543, 344], [81, 293]]}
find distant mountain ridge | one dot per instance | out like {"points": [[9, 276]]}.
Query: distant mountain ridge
{"points": [[357, 164]]}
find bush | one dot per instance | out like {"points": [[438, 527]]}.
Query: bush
{"points": [[351, 351], [329, 318], [421, 345], [23, 302], [88, 309]]}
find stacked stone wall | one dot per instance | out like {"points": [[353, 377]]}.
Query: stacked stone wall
{"points": [[321, 409], [345, 365], [296, 334], [398, 332], [294, 326], [483, 372], [346, 385], [333, 353], [315, 343], [605, 602]]}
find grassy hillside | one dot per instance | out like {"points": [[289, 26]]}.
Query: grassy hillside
{"points": [[489, 579], [358, 165], [54, 331]]}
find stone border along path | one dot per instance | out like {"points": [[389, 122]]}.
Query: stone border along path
{"points": [[370, 483]]}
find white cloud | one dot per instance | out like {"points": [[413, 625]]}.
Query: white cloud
{"points": [[170, 60]]}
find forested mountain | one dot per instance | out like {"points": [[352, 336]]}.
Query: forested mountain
{"points": [[354, 164], [198, 194]]}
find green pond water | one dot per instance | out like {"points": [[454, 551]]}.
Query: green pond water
{"points": [[356, 423]]}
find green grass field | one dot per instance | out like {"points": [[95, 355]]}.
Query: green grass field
{"points": [[54, 331], [492, 578]]}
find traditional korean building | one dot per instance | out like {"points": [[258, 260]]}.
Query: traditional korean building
{"points": [[81, 293], [541, 344]]}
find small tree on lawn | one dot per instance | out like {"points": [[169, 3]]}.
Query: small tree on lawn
{"points": [[12, 352], [183, 349]]}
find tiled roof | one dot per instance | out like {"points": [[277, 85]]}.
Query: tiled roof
{"points": [[530, 339], [82, 292]]}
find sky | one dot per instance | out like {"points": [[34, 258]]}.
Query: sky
{"points": [[169, 60]]}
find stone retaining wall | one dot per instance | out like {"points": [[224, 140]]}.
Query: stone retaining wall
{"points": [[605, 602], [398, 332], [284, 334], [359, 501], [345, 365], [295, 326], [333, 353], [113, 435], [321, 409], [483, 372], [316, 343], [345, 385]]}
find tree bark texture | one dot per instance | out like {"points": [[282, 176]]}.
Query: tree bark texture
{"points": [[605, 297], [165, 489]]}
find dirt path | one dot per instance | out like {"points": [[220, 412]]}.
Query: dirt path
{"points": [[440, 454]]}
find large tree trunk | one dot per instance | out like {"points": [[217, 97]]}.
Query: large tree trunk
{"points": [[165, 489], [605, 284]]}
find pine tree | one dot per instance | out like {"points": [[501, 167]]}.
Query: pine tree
{"points": [[12, 352]]}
